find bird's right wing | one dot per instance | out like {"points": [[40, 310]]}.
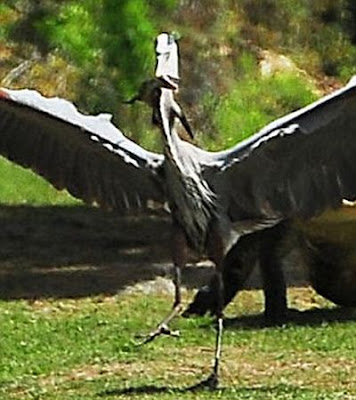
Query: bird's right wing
{"points": [[298, 165], [86, 155]]}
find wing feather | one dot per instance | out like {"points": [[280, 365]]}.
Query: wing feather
{"points": [[86, 155], [298, 165]]}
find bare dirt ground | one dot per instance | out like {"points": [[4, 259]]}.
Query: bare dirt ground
{"points": [[63, 252], [78, 251], [74, 252]]}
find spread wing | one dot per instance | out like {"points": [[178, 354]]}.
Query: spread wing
{"points": [[87, 155], [298, 165]]}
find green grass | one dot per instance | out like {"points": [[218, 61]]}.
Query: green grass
{"points": [[85, 349], [22, 186]]}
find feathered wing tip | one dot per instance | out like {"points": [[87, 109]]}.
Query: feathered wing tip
{"points": [[62, 109], [352, 81], [65, 110], [298, 165], [85, 154]]}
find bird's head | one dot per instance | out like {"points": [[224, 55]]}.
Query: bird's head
{"points": [[165, 109], [158, 93], [149, 90]]}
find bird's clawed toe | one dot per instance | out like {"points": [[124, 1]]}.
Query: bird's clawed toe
{"points": [[162, 329]]}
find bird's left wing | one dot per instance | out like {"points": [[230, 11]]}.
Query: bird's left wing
{"points": [[87, 155], [299, 165]]}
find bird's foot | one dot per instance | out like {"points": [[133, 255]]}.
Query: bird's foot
{"points": [[211, 383], [162, 329]]}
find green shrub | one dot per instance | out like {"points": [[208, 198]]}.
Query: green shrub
{"points": [[321, 28], [254, 102], [6, 19]]}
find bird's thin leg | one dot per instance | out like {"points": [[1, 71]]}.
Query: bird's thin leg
{"points": [[216, 254], [213, 380], [179, 255]]}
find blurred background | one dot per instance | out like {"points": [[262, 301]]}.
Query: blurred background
{"points": [[243, 62]]}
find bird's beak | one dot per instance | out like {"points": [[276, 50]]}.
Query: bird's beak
{"points": [[147, 88], [167, 82], [176, 110], [183, 119]]}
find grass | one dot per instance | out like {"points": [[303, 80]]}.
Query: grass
{"points": [[85, 349], [21, 186]]}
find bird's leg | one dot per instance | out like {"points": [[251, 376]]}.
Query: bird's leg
{"points": [[213, 380], [238, 265], [216, 254], [179, 255]]}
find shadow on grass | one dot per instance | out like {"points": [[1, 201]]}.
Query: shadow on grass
{"points": [[240, 392], [144, 389], [152, 389], [61, 252], [311, 317], [78, 251]]}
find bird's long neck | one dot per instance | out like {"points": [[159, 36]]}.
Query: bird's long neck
{"points": [[173, 151], [191, 200], [172, 141]]}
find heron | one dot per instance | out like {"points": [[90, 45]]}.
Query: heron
{"points": [[295, 167]]}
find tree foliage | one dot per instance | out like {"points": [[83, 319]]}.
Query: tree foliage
{"points": [[115, 35], [320, 33], [97, 53], [109, 41]]}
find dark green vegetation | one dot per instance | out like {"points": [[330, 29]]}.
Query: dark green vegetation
{"points": [[67, 327], [97, 53]]}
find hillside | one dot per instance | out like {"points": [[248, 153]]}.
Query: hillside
{"points": [[232, 53]]}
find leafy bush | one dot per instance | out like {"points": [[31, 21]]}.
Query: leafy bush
{"points": [[6, 18], [321, 28], [254, 102], [107, 35]]}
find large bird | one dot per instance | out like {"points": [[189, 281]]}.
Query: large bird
{"points": [[297, 166]]}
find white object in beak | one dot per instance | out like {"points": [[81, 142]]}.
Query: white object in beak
{"points": [[167, 57]]}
